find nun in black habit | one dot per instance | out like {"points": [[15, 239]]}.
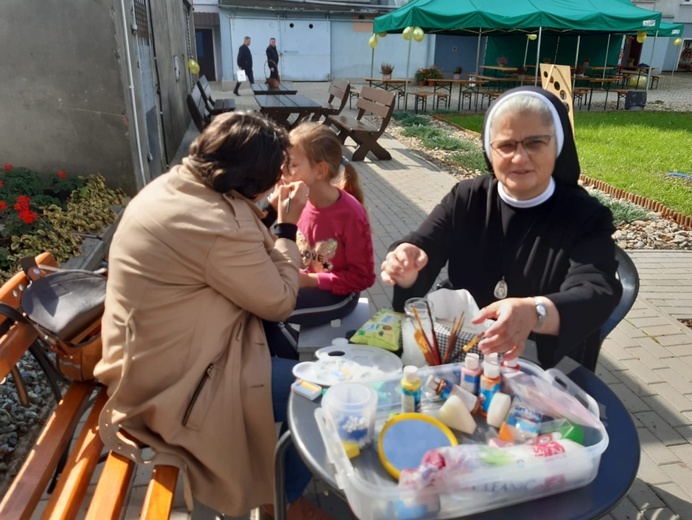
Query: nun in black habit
{"points": [[533, 248]]}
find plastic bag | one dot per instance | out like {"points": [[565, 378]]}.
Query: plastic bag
{"points": [[241, 75]]}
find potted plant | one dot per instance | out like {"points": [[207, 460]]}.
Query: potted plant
{"points": [[386, 69], [502, 61], [457, 72]]}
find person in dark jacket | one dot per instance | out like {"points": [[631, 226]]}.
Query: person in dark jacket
{"points": [[245, 63], [273, 59], [530, 245]]}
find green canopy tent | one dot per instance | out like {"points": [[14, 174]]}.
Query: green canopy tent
{"points": [[486, 17]]}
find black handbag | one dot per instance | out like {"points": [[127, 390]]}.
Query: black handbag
{"points": [[66, 307]]}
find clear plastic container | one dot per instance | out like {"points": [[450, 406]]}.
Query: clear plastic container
{"points": [[374, 495], [352, 407]]}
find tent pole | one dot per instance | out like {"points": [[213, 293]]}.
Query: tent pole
{"points": [[526, 52], [557, 46], [538, 54], [372, 62], [622, 51], [576, 63], [408, 62], [651, 62], [605, 60], [478, 52]]}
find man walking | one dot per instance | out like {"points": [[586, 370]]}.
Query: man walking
{"points": [[273, 59], [245, 63]]}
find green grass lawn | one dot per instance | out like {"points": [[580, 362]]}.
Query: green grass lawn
{"points": [[632, 151]]}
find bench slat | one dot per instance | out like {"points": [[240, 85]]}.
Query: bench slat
{"points": [[28, 486], [111, 490], [68, 495], [158, 501], [13, 345]]}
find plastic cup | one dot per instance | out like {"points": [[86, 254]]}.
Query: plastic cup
{"points": [[352, 407]]}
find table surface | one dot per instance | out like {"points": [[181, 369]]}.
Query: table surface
{"points": [[260, 89], [498, 67], [281, 102], [618, 467], [458, 81]]}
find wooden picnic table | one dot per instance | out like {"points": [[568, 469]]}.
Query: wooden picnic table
{"points": [[262, 89], [606, 84], [397, 84], [282, 107], [467, 88], [498, 68]]}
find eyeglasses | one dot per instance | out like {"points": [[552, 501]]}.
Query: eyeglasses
{"points": [[533, 144]]}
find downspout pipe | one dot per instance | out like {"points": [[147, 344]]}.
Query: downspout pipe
{"points": [[131, 88]]}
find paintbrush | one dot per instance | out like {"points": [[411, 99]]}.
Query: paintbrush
{"points": [[288, 204], [453, 335], [436, 348], [428, 345], [471, 343]]}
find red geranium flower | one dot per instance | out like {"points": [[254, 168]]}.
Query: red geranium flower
{"points": [[3, 205], [23, 203], [62, 174], [28, 216], [0, 184], [7, 167]]}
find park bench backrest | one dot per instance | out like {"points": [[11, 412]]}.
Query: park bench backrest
{"points": [[198, 110], [378, 102]]}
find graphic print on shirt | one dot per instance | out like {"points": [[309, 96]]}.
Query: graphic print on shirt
{"points": [[319, 258]]}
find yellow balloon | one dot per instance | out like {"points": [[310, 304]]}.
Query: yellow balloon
{"points": [[382, 34], [407, 33], [677, 41], [193, 66], [418, 34], [532, 37], [641, 36], [373, 41]]}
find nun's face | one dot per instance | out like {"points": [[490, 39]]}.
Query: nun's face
{"points": [[523, 152]]}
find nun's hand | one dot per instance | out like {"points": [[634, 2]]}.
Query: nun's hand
{"points": [[514, 319], [401, 266]]}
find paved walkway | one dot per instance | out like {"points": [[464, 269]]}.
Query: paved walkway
{"points": [[647, 360]]}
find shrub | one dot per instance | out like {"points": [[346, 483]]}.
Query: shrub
{"points": [[623, 211]]}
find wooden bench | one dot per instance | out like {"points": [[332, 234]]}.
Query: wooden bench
{"points": [[372, 101], [621, 93], [580, 95], [491, 95], [198, 110], [214, 107], [339, 93], [420, 98], [68, 497]]}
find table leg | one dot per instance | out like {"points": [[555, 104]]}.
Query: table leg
{"points": [[590, 97], [460, 97], [280, 505], [605, 105]]}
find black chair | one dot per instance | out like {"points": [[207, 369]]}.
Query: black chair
{"points": [[629, 278], [198, 111]]}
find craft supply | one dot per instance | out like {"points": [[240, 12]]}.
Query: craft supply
{"points": [[455, 414], [471, 343], [288, 204], [352, 407], [446, 388], [490, 385], [406, 438], [424, 341], [522, 423], [351, 448], [471, 373], [382, 330], [310, 390], [410, 390], [498, 409], [561, 429], [510, 364], [435, 345], [453, 335]]}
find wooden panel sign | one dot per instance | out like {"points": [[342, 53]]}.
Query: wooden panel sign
{"points": [[558, 80]]}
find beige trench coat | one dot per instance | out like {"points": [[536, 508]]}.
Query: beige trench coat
{"points": [[185, 357]]}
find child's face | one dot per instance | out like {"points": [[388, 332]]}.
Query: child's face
{"points": [[299, 167]]}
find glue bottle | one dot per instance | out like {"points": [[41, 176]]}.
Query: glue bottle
{"points": [[490, 385], [471, 373], [410, 390]]}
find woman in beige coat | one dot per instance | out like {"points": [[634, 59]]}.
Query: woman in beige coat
{"points": [[192, 274]]}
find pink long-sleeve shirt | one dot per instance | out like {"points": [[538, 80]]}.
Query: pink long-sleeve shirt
{"points": [[336, 243]]}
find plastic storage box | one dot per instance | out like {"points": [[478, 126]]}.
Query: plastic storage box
{"points": [[374, 495]]}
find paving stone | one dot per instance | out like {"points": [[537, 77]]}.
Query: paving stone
{"points": [[633, 403], [615, 350], [677, 498], [625, 510], [654, 348], [663, 431], [661, 330], [681, 402], [622, 338], [633, 381], [630, 330], [648, 321], [684, 453], [643, 497], [651, 473], [675, 339], [680, 473], [639, 367], [660, 514], [666, 410], [680, 350], [677, 375]]}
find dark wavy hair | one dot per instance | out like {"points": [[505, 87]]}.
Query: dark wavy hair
{"points": [[240, 151]]}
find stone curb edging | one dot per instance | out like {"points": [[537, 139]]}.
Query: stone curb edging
{"points": [[648, 204]]}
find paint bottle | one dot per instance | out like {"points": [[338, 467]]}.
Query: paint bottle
{"points": [[489, 386], [410, 390], [471, 373], [508, 368], [446, 388]]}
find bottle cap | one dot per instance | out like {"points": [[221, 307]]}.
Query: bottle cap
{"points": [[511, 363], [411, 373], [491, 370], [339, 342], [491, 358], [472, 361]]}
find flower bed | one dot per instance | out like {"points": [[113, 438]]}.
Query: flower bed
{"points": [[50, 213]]}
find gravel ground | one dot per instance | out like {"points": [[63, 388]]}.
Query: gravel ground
{"points": [[654, 233]]}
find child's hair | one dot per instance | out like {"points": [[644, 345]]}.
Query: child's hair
{"points": [[320, 143]]}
